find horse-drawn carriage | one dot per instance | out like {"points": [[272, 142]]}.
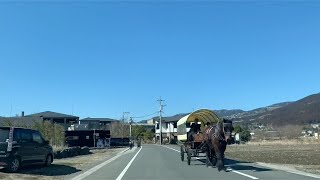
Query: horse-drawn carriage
{"points": [[202, 134]]}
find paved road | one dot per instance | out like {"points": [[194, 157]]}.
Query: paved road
{"points": [[163, 162]]}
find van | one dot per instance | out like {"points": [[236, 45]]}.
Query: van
{"points": [[21, 147]]}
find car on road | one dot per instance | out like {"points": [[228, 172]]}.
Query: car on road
{"points": [[21, 147]]}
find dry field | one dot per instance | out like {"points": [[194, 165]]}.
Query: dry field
{"points": [[302, 155]]}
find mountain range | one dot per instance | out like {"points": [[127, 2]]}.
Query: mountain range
{"points": [[300, 112]]}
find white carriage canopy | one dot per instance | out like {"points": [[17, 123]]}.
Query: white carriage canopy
{"points": [[203, 115]]}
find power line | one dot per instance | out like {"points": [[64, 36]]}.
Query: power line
{"points": [[146, 115]]}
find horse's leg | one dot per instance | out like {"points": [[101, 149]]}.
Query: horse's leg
{"points": [[213, 158], [223, 149], [219, 155], [208, 155]]}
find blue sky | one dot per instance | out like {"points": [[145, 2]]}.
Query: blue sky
{"points": [[98, 59]]}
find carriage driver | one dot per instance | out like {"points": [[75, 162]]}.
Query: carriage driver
{"points": [[191, 132], [194, 129], [197, 126]]}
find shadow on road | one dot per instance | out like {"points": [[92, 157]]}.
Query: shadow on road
{"points": [[235, 165], [243, 165], [53, 170]]}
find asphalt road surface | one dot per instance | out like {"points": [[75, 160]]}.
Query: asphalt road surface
{"points": [[163, 162]]}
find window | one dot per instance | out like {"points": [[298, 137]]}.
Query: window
{"points": [[36, 137], [73, 137], [17, 135], [157, 126], [4, 135], [175, 125], [25, 135]]}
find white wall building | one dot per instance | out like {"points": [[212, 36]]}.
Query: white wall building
{"points": [[169, 127]]}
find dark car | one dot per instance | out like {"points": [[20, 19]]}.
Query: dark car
{"points": [[20, 147]]}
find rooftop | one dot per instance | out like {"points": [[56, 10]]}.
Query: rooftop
{"points": [[174, 118], [51, 114], [98, 119]]}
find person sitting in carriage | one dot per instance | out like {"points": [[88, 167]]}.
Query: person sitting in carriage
{"points": [[208, 124], [191, 132], [197, 126]]}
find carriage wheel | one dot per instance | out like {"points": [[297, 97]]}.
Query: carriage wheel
{"points": [[182, 153], [196, 153], [189, 157]]}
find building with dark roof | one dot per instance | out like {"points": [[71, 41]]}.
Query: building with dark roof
{"points": [[97, 123], [59, 118]]}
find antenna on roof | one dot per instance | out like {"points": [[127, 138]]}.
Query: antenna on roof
{"points": [[11, 110]]}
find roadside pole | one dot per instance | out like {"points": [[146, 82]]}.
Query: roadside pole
{"points": [[94, 138], [160, 118], [130, 135]]}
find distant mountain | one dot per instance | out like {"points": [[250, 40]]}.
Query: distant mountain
{"points": [[304, 111], [143, 121], [229, 113], [167, 118], [238, 113]]}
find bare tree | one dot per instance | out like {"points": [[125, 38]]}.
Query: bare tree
{"points": [[289, 131], [119, 129]]}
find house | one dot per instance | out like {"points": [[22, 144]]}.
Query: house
{"points": [[97, 123], [88, 138], [58, 118], [169, 127]]}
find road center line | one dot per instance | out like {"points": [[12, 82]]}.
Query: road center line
{"points": [[96, 168], [171, 148], [128, 165], [237, 172]]}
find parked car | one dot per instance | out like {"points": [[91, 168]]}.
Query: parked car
{"points": [[21, 147]]}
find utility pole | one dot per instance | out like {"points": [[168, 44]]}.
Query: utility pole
{"points": [[160, 117]]}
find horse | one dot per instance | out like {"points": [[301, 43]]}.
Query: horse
{"points": [[216, 138]]}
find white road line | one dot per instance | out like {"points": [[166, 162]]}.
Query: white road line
{"points": [[96, 168], [287, 169], [243, 174], [237, 172], [128, 165], [171, 148]]}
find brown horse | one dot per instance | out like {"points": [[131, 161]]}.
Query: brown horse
{"points": [[216, 138]]}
